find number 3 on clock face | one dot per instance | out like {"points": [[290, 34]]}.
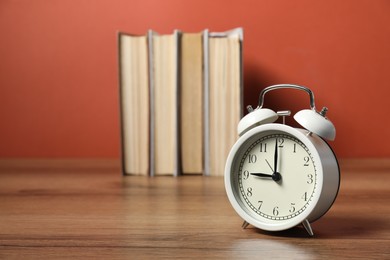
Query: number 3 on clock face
{"points": [[276, 177]]}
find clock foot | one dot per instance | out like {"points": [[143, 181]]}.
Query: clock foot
{"points": [[307, 226], [244, 225]]}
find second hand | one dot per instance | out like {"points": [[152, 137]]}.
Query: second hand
{"points": [[269, 165]]}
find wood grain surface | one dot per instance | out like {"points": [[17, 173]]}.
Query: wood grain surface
{"points": [[81, 209]]}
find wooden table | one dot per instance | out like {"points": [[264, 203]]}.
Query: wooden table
{"points": [[85, 209]]}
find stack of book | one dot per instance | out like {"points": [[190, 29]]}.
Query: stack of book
{"points": [[180, 101]]}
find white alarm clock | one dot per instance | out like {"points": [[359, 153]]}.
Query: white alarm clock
{"points": [[278, 176]]}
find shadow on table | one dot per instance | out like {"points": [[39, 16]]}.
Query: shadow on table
{"points": [[335, 227]]}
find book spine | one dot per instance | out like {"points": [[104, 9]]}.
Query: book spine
{"points": [[177, 170], [218, 140], [206, 102], [151, 104], [122, 145], [240, 33]]}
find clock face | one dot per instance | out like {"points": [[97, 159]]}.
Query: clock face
{"points": [[274, 177]]}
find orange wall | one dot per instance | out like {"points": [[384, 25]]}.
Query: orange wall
{"points": [[58, 66]]}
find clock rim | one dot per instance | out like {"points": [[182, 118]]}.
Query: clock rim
{"points": [[329, 192], [250, 218]]}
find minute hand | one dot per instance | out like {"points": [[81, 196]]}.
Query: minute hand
{"points": [[276, 156], [276, 175]]}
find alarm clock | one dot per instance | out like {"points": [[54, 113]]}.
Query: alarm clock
{"points": [[278, 176]]}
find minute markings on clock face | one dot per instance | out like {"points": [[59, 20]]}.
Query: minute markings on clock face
{"points": [[277, 198]]}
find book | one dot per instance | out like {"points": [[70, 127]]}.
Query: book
{"points": [[134, 103], [164, 98], [191, 102], [180, 101], [224, 87]]}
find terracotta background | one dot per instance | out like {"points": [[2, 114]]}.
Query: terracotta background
{"points": [[58, 66]]}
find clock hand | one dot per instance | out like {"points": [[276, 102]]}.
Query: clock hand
{"points": [[261, 174], [269, 165], [275, 176], [276, 156]]}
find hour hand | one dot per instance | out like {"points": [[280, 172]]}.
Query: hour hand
{"points": [[264, 175], [275, 176]]}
